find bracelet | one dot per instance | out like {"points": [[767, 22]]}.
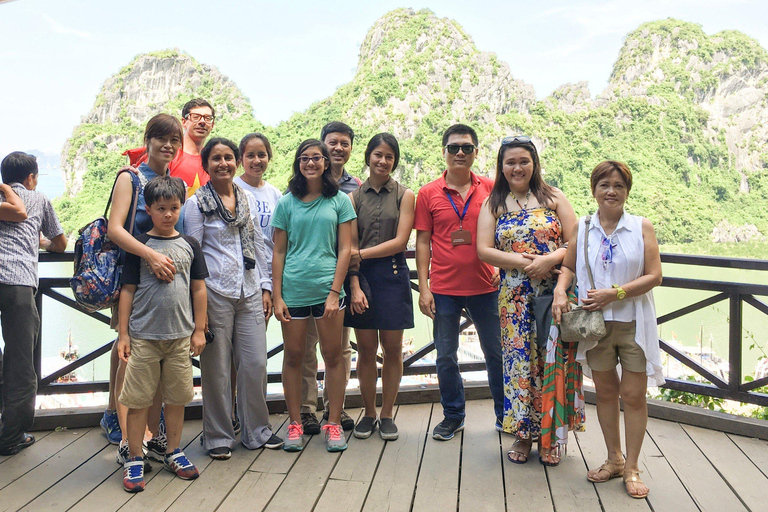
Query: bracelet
{"points": [[334, 291], [360, 253]]}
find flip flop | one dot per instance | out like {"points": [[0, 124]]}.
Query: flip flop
{"points": [[632, 476], [613, 469]]}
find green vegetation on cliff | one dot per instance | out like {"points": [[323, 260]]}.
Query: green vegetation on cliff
{"points": [[417, 74]]}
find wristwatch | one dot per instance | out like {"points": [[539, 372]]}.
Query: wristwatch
{"points": [[620, 293]]}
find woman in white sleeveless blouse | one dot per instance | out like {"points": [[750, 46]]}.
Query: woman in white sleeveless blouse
{"points": [[624, 257]]}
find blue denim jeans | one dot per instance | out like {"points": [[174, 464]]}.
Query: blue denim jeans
{"points": [[483, 310]]}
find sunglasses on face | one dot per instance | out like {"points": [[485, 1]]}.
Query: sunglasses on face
{"points": [[465, 148]]}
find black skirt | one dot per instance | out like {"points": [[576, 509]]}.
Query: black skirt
{"points": [[390, 305]]}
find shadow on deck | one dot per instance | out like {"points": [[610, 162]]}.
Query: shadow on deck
{"points": [[687, 468]]}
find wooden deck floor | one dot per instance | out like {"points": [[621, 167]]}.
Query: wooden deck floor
{"points": [[687, 468]]}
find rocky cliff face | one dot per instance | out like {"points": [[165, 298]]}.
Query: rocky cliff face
{"points": [[726, 74], [152, 83]]}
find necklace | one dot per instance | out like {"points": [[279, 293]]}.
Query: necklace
{"points": [[527, 198]]}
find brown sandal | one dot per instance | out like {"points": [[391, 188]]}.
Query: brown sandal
{"points": [[553, 456], [613, 469], [633, 477], [528, 443]]}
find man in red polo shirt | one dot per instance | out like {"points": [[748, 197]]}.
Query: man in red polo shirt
{"points": [[446, 228], [197, 119]]}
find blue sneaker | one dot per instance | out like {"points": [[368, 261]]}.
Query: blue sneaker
{"points": [[133, 474], [111, 427]]}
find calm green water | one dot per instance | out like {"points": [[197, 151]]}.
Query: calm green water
{"points": [[710, 322]]}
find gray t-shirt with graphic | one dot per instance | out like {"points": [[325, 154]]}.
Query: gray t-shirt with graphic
{"points": [[163, 310]]}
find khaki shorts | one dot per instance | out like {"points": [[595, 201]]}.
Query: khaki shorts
{"points": [[154, 363], [618, 344]]}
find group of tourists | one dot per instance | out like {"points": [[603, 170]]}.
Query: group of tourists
{"points": [[211, 256]]}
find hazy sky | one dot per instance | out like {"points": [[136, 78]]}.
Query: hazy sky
{"points": [[55, 55]]}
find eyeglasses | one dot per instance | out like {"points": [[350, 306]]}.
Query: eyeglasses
{"points": [[465, 148], [195, 118], [316, 159]]}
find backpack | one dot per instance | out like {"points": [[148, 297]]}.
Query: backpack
{"points": [[98, 260]]}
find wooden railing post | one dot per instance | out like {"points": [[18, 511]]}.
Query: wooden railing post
{"points": [[734, 340]]}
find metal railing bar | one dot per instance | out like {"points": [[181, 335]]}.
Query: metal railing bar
{"points": [[58, 297], [693, 365], [693, 307], [757, 304], [749, 386], [78, 363], [714, 286]]}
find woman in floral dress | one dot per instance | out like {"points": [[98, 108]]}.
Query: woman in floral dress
{"points": [[523, 229]]}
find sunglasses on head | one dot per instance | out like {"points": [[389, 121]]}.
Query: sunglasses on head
{"points": [[465, 148], [518, 139]]}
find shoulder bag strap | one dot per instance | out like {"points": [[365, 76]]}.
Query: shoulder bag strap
{"points": [[586, 252], [134, 197]]}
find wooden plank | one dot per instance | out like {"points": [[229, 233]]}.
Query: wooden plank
{"points": [[707, 488], [342, 496], [279, 462], [37, 481], [109, 495], [26, 460], [165, 487], [613, 494], [568, 484], [395, 479], [734, 466], [218, 479], [482, 486], [38, 437], [526, 484], [253, 491], [755, 449], [438, 485], [308, 476]]}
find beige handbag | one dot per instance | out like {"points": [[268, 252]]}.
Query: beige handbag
{"points": [[579, 324]]}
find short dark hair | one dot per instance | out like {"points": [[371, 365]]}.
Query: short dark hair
{"points": [[298, 184], [604, 169], [256, 135], [206, 152], [17, 166], [164, 187], [197, 102], [460, 129], [162, 125], [379, 139], [337, 127]]}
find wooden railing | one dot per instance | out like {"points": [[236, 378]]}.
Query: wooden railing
{"points": [[734, 388]]}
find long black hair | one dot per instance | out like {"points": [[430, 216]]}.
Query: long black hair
{"points": [[298, 184], [544, 193]]}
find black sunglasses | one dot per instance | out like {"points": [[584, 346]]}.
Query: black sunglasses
{"points": [[465, 148]]}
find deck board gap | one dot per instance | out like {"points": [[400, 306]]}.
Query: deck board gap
{"points": [[421, 460]]}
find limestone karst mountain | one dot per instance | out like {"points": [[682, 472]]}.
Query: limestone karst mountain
{"points": [[686, 110]]}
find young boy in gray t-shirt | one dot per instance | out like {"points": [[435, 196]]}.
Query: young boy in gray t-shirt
{"points": [[161, 324]]}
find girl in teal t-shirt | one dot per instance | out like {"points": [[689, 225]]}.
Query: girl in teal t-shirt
{"points": [[311, 255]]}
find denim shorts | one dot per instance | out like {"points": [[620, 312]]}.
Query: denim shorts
{"points": [[316, 311]]}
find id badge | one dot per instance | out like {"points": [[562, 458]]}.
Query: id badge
{"points": [[461, 237]]}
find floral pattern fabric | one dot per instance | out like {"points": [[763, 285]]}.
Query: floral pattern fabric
{"points": [[534, 231]]}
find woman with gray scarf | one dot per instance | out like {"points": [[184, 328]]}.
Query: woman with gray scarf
{"points": [[220, 216]]}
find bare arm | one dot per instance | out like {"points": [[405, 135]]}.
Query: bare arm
{"points": [[342, 264], [161, 265], [58, 244], [124, 307], [12, 209], [486, 246], [278, 264], [423, 257], [200, 309]]}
